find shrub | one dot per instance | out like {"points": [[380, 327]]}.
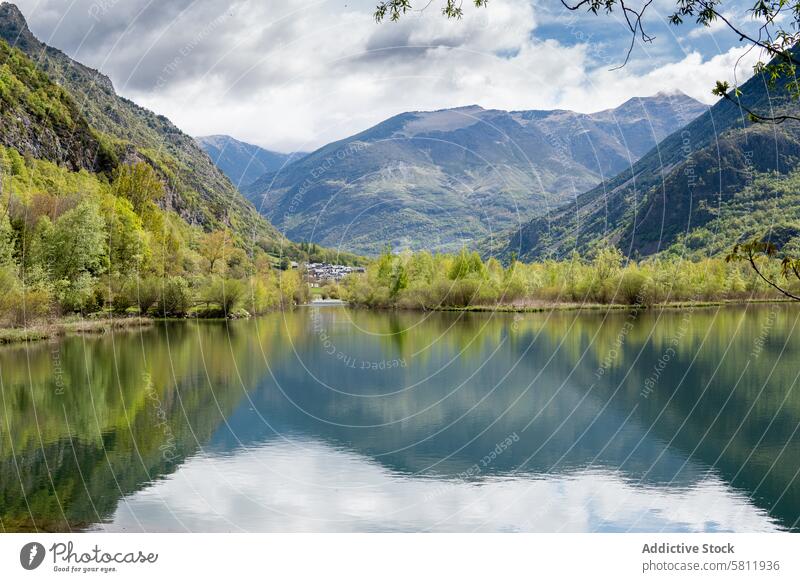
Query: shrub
{"points": [[633, 288], [227, 293], [77, 294], [331, 291], [124, 295], [10, 297], [19, 306], [146, 293], [38, 305], [264, 295], [173, 297]]}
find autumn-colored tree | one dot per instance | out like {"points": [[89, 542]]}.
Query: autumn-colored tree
{"points": [[214, 248]]}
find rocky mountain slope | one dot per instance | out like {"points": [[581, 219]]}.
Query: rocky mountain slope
{"points": [[40, 119], [94, 128], [443, 179]]}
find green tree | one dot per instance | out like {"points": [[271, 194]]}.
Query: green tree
{"points": [[126, 238], [467, 265], [139, 184], [6, 242], [757, 252], [76, 243], [174, 297], [227, 293], [420, 267], [391, 273]]}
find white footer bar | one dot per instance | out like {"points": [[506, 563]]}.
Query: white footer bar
{"points": [[401, 557]]}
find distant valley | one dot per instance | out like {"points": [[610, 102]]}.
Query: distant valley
{"points": [[242, 162]]}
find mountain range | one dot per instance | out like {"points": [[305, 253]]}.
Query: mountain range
{"points": [[659, 174], [444, 179], [720, 180], [242, 162]]}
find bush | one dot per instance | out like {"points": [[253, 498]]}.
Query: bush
{"points": [[173, 297], [634, 288], [331, 291], [263, 295], [19, 306], [226, 293], [38, 305], [78, 294], [431, 281], [125, 295]]}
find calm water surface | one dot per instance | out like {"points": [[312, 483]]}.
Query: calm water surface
{"points": [[331, 419]]}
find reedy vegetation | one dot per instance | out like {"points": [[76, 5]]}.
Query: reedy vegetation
{"points": [[77, 242], [425, 281]]}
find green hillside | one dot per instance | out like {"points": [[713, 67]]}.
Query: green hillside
{"points": [[720, 180], [439, 180], [195, 188], [106, 207]]}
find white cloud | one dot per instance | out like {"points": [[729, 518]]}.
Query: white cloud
{"points": [[309, 486], [693, 75], [715, 26], [294, 75]]}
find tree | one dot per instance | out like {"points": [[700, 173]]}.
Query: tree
{"points": [[127, 244], [393, 9], [6, 241], [76, 245], [139, 184], [391, 272], [227, 293], [466, 265], [291, 288], [237, 264], [420, 267], [755, 250], [772, 28], [214, 247], [174, 297]]}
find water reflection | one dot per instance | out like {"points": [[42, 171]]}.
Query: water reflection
{"points": [[340, 420], [311, 486]]}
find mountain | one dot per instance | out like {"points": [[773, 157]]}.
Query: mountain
{"points": [[719, 180], [83, 123], [242, 162], [609, 141], [446, 178], [41, 120]]}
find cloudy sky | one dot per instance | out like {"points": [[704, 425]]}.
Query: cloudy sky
{"points": [[295, 74]]}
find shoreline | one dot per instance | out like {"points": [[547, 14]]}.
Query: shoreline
{"points": [[541, 307], [46, 331]]}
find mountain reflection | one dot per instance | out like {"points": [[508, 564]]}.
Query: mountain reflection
{"points": [[343, 420]]}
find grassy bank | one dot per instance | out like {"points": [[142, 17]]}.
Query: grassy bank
{"points": [[54, 329], [556, 306], [605, 280]]}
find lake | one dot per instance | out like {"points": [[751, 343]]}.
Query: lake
{"points": [[334, 419]]}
